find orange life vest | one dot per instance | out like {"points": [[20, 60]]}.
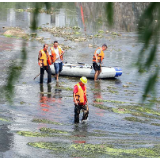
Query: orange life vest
{"points": [[45, 58], [53, 56], [100, 56], [80, 94]]}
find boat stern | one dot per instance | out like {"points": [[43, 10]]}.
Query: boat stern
{"points": [[118, 71]]}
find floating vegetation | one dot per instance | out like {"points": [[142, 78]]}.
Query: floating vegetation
{"points": [[32, 134], [87, 150], [125, 85], [103, 107], [146, 110], [142, 70], [3, 119], [49, 145], [15, 32], [112, 91], [114, 33], [50, 11], [121, 111], [33, 35], [137, 111], [75, 27], [46, 121], [98, 36], [134, 110], [155, 124], [112, 101], [44, 132], [49, 130], [19, 10], [135, 119], [101, 31], [22, 102]]}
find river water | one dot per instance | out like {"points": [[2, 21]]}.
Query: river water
{"points": [[122, 128]]}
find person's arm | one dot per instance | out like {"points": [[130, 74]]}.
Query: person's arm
{"points": [[97, 52], [86, 97], [39, 56]]}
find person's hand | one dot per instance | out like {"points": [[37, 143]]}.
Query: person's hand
{"points": [[76, 103]]}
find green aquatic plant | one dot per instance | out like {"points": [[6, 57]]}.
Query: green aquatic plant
{"points": [[75, 27], [3, 119], [49, 130], [155, 124], [112, 101], [96, 150], [44, 132], [101, 31], [45, 121], [32, 134], [134, 119], [49, 145], [121, 111], [102, 107]]}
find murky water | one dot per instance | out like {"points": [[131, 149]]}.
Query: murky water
{"points": [[117, 127]]}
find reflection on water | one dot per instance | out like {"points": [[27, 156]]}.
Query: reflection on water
{"points": [[118, 81], [98, 95], [50, 102], [6, 140], [80, 130], [57, 93], [45, 99], [97, 88]]}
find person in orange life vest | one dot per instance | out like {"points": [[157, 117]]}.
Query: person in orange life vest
{"points": [[44, 61], [97, 60], [57, 58], [80, 100]]}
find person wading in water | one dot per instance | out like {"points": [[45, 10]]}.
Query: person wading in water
{"points": [[44, 61], [80, 100], [57, 58], [97, 60]]}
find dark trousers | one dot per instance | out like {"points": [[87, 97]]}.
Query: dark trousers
{"points": [[48, 70], [77, 109]]}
